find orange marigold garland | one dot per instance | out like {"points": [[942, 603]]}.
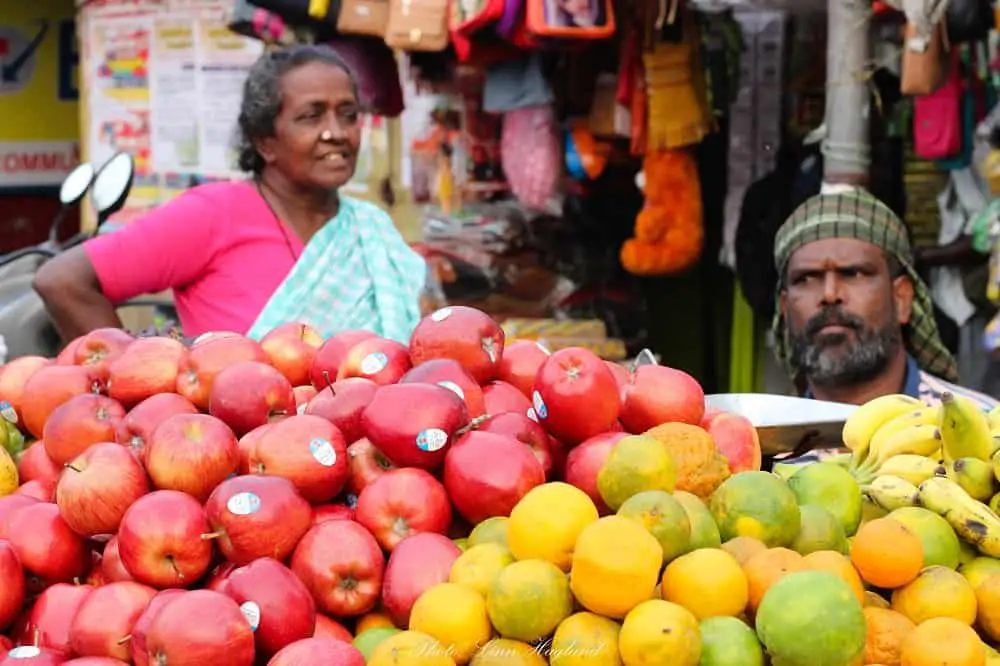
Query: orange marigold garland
{"points": [[669, 234]]}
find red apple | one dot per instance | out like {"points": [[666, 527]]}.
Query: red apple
{"points": [[45, 544], [147, 366], [11, 584], [657, 394], [79, 422], [34, 464], [48, 622], [247, 443], [103, 624], [584, 463], [622, 377], [303, 394], [450, 375], [112, 569], [736, 438], [98, 487], [486, 474], [212, 336], [307, 450], [520, 363], [160, 540], [200, 627], [327, 628], [68, 354], [5, 644], [277, 604], [250, 394], [100, 347], [137, 644], [380, 360], [9, 506], [291, 349], [419, 563], [312, 651], [463, 334], [30, 655], [413, 424], [13, 378], [342, 402], [208, 358], [192, 453], [41, 490], [325, 512], [366, 464], [501, 397], [47, 388], [575, 395], [329, 357], [95, 661], [136, 428], [341, 565], [257, 516], [403, 502], [526, 431]]}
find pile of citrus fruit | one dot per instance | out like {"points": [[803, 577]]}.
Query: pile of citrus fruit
{"points": [[797, 572]]}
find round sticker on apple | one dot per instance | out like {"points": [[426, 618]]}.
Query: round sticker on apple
{"points": [[540, 409], [441, 315], [323, 452], [243, 504], [453, 387], [251, 612], [8, 412], [374, 363], [24, 652], [432, 439]]}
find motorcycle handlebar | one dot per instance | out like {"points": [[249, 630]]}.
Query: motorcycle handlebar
{"points": [[27, 252]]}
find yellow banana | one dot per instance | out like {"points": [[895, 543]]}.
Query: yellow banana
{"points": [[921, 439], [993, 416], [996, 465], [864, 421], [965, 430], [974, 475], [994, 503], [912, 467], [892, 492], [920, 416], [971, 520]]}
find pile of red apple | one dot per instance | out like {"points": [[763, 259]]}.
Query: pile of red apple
{"points": [[235, 503]]}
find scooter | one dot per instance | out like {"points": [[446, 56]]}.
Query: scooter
{"points": [[25, 327]]}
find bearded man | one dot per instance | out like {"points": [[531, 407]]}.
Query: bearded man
{"points": [[854, 320]]}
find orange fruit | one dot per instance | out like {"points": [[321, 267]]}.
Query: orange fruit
{"points": [[371, 621], [942, 641], [456, 616], [709, 582], [743, 548], [700, 468], [936, 592], [988, 601], [768, 567], [886, 553], [886, 631], [839, 565]]}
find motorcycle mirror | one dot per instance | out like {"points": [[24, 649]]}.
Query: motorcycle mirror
{"points": [[112, 184], [76, 184]]}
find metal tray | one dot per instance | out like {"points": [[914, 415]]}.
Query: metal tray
{"points": [[787, 425]]}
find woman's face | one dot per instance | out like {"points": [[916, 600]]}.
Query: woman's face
{"points": [[317, 132]]}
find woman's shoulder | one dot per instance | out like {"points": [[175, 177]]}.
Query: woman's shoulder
{"points": [[363, 208], [223, 192]]}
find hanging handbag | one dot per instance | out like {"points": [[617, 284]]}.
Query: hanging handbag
{"points": [[257, 23], [937, 117], [318, 14], [570, 20], [363, 17], [418, 25], [923, 69], [968, 20]]}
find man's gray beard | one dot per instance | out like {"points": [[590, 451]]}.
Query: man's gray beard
{"points": [[831, 365]]}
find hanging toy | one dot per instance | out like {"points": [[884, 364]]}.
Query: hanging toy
{"points": [[668, 231]]}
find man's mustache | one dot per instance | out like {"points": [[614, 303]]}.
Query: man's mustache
{"points": [[833, 317]]}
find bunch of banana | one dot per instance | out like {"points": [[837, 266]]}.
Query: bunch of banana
{"points": [[892, 492], [975, 477], [972, 520], [869, 418], [893, 435], [965, 429]]}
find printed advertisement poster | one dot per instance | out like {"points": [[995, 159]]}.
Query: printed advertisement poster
{"points": [[224, 59], [174, 95]]}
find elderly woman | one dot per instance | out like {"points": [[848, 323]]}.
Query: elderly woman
{"points": [[281, 246]]}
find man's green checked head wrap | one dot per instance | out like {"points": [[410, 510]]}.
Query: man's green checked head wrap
{"points": [[857, 214]]}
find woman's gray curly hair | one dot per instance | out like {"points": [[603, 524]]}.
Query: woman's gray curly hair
{"points": [[262, 96]]}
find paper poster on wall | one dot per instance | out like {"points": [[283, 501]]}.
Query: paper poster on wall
{"points": [[173, 84], [130, 8], [224, 59], [119, 89]]}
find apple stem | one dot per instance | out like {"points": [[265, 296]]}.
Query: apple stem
{"points": [[124, 639], [75, 469], [211, 535], [329, 382], [473, 424], [36, 636]]}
